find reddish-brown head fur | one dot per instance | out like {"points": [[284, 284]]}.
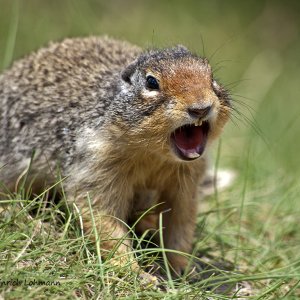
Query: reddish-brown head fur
{"points": [[185, 83]]}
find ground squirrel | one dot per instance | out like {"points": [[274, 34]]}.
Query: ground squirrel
{"points": [[119, 122]]}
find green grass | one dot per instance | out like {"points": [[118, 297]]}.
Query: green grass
{"points": [[254, 47]]}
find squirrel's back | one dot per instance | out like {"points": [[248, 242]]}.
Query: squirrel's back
{"points": [[49, 95]]}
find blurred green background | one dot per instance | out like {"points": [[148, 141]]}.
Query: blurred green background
{"points": [[254, 47]]}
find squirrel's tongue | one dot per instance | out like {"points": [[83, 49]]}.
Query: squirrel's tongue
{"points": [[190, 140]]}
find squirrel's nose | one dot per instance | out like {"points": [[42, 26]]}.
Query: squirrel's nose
{"points": [[199, 111]]}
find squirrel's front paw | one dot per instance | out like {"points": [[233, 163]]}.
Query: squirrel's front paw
{"points": [[148, 280], [178, 263]]}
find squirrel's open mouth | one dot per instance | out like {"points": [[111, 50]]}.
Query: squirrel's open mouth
{"points": [[189, 141]]}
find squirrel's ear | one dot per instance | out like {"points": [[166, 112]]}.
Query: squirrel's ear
{"points": [[128, 71], [182, 48]]}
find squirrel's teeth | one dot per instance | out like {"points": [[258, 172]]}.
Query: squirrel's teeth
{"points": [[198, 123]]}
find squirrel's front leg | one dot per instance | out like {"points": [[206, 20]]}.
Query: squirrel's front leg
{"points": [[104, 193], [113, 237], [106, 221], [104, 200], [179, 221]]}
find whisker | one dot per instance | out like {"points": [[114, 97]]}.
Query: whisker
{"points": [[232, 85], [220, 47], [249, 108], [241, 117], [243, 97]]}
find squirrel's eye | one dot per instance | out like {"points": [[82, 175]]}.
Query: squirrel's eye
{"points": [[152, 83]]}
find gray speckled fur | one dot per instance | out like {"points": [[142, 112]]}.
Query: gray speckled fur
{"points": [[47, 97]]}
